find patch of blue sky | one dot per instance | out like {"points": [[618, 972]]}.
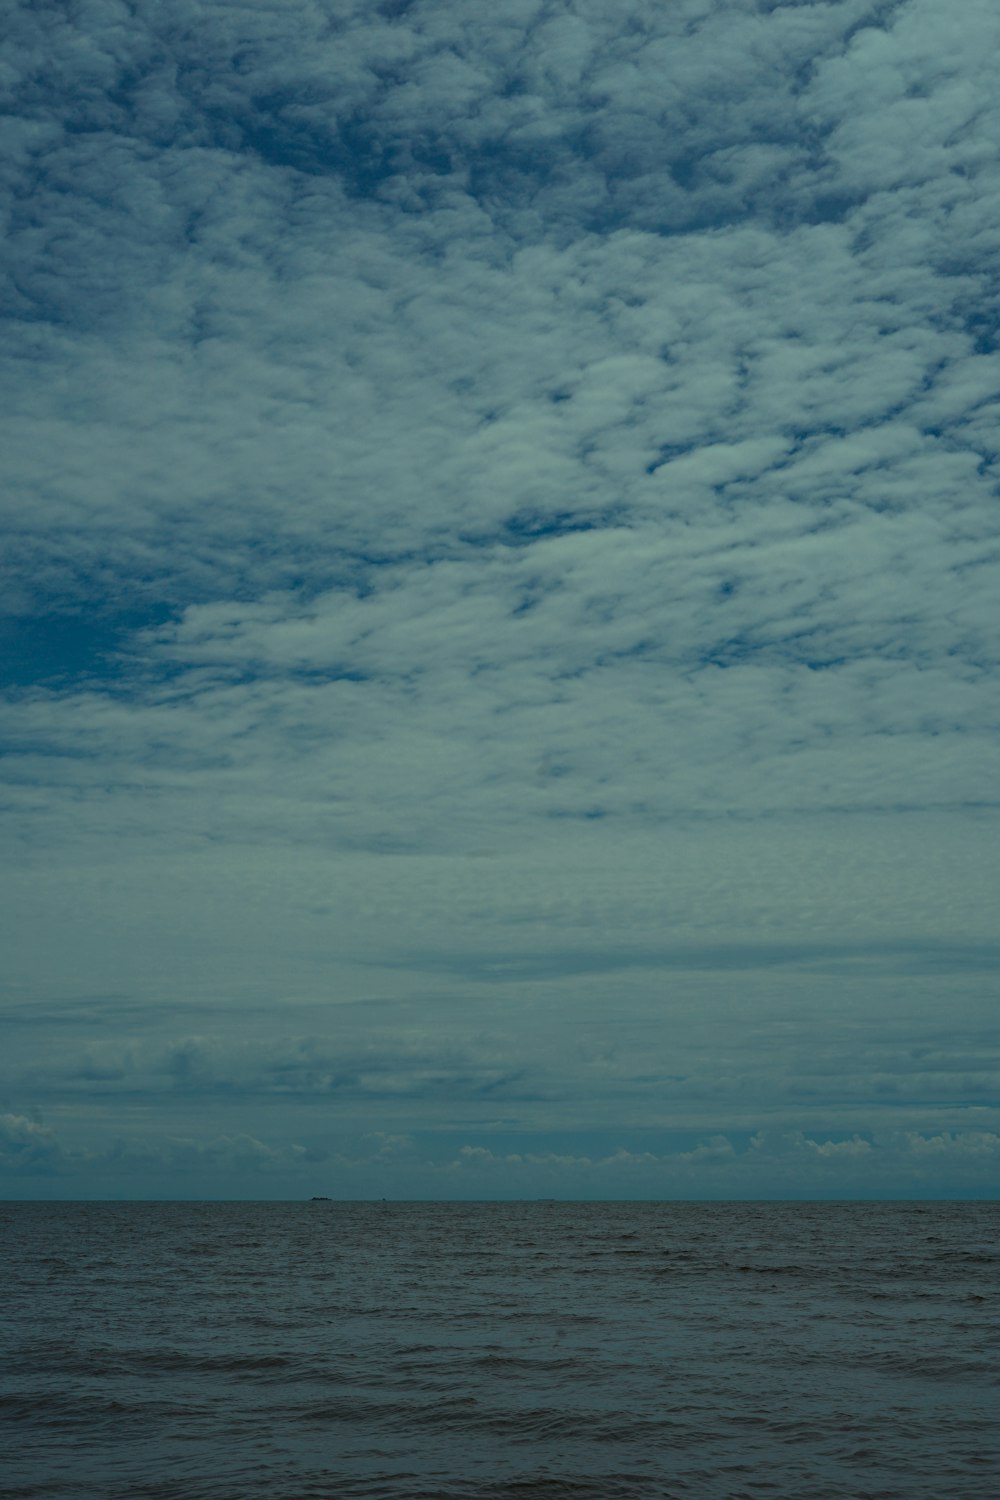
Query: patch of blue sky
{"points": [[58, 650]]}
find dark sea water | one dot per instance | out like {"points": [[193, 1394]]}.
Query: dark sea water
{"points": [[526, 1349]]}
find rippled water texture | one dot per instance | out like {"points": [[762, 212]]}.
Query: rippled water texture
{"points": [[527, 1349]]}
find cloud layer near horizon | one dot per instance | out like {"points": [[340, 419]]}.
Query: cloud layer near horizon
{"points": [[501, 589]]}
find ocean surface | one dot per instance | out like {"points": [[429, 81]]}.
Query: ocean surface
{"points": [[229, 1351]]}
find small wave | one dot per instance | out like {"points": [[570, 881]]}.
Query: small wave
{"points": [[540, 1485]]}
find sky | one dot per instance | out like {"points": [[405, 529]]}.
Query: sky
{"points": [[500, 599]]}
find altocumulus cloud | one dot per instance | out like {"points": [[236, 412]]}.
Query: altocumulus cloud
{"points": [[500, 597]]}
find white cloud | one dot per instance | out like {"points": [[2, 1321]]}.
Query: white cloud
{"points": [[27, 1146]]}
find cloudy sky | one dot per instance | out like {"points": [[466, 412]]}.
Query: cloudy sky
{"points": [[500, 598]]}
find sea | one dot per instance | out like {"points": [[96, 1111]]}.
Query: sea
{"points": [[403, 1351]]}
